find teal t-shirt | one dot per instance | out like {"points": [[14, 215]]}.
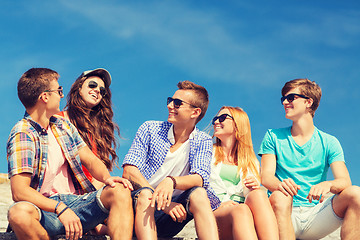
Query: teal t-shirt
{"points": [[307, 165]]}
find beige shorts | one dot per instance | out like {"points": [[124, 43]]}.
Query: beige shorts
{"points": [[315, 222]]}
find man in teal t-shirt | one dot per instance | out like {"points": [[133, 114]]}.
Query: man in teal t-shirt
{"points": [[295, 162]]}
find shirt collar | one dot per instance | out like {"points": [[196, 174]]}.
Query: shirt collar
{"points": [[38, 128], [171, 136]]}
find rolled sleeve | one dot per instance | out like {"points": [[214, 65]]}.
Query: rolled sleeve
{"points": [[137, 153], [201, 162]]}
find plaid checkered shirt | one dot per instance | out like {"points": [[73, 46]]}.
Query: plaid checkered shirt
{"points": [[27, 151], [151, 145]]}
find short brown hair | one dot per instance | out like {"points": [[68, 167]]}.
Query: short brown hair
{"points": [[308, 88], [32, 83], [202, 97]]}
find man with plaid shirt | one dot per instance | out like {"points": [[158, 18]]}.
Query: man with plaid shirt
{"points": [[51, 192], [169, 164]]}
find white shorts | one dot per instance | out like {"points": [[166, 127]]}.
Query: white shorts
{"points": [[315, 222]]}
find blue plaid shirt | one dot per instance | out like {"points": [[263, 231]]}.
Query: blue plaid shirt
{"points": [[27, 151], [151, 145]]}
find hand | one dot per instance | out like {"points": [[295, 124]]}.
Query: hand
{"points": [[112, 180], [251, 183], [176, 211], [318, 191], [163, 194], [288, 187], [71, 222]]}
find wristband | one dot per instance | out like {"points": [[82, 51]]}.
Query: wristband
{"points": [[174, 181], [57, 206], [62, 211]]}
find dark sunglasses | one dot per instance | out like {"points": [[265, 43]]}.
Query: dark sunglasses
{"points": [[178, 102], [221, 118], [93, 84], [59, 91], [291, 97]]}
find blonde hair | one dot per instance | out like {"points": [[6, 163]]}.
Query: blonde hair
{"points": [[242, 152]]}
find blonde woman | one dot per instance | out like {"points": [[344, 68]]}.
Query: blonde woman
{"points": [[245, 211]]}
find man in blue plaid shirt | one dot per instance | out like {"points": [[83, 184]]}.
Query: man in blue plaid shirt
{"points": [[169, 164], [51, 192]]}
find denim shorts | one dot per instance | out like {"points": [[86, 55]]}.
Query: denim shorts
{"points": [[87, 207], [166, 227], [315, 222]]}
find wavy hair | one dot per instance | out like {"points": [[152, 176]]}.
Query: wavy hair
{"points": [[94, 124], [242, 152]]}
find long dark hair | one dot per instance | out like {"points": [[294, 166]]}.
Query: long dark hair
{"points": [[94, 124]]}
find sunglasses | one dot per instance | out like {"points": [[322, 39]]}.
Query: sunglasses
{"points": [[221, 118], [178, 102], [93, 84], [291, 97], [59, 91]]}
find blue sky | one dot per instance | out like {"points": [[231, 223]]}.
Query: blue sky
{"points": [[241, 51]]}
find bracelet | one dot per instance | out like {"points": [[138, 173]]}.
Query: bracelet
{"points": [[57, 206], [62, 211], [174, 181]]}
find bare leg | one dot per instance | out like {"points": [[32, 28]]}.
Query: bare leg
{"points": [[282, 206], [347, 205], [120, 220], [24, 220], [145, 227], [205, 223], [264, 217], [235, 222]]}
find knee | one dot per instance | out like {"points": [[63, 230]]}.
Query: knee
{"points": [[22, 214], [119, 193], [198, 199], [199, 196], [281, 203], [352, 195], [143, 200], [256, 197], [241, 211]]}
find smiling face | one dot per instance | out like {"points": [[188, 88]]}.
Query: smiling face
{"points": [[185, 113], [226, 128], [91, 96], [298, 107]]}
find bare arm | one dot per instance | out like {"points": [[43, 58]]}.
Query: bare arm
{"points": [[341, 177], [21, 191], [188, 181], [271, 182], [340, 182], [98, 169], [134, 175]]}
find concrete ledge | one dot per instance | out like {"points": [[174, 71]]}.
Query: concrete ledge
{"points": [[11, 236]]}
